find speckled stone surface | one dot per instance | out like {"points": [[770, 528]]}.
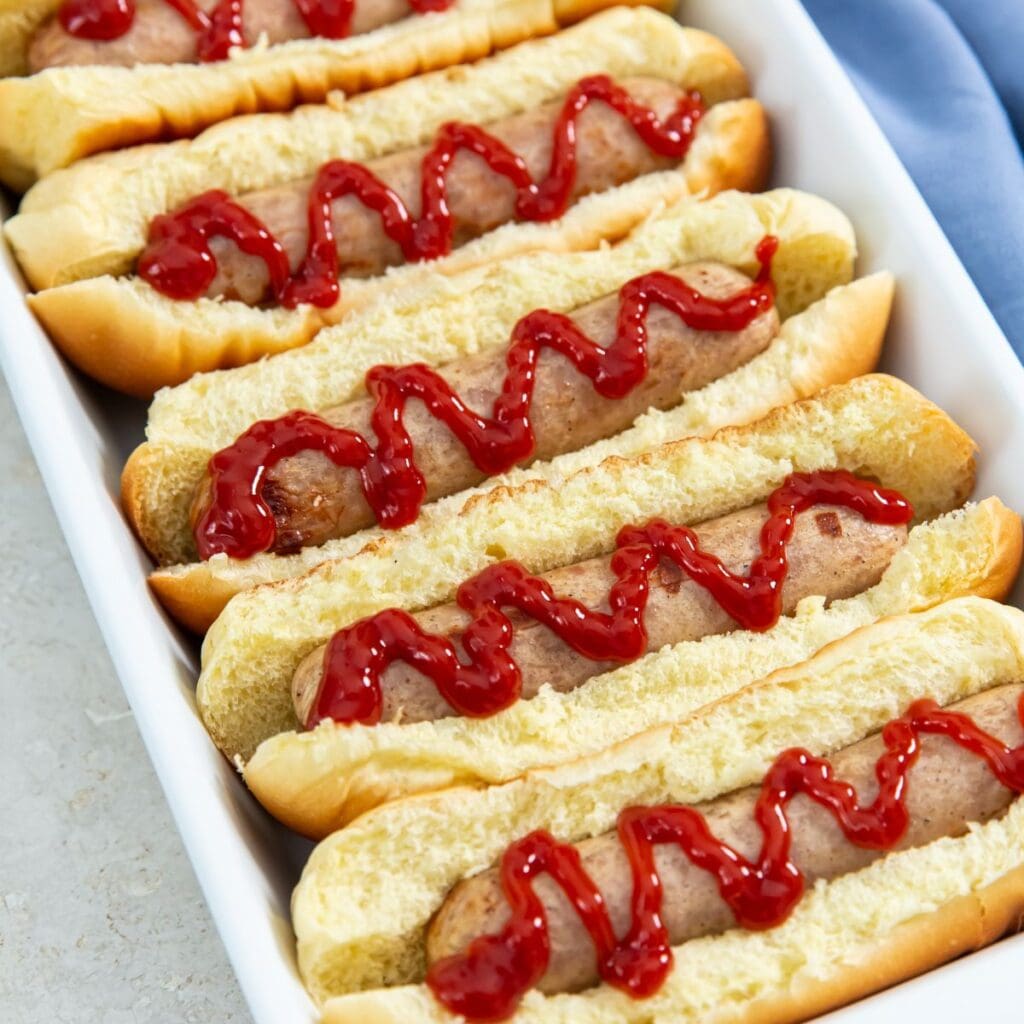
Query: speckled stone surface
{"points": [[101, 918]]}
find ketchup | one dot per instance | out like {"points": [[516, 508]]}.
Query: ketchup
{"points": [[221, 29], [490, 680], [238, 521], [178, 261], [487, 981]]}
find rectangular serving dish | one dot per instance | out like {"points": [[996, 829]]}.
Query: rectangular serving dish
{"points": [[943, 340]]}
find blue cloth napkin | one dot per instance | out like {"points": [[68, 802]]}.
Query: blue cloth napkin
{"points": [[945, 79]]}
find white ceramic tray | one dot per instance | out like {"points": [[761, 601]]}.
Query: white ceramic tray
{"points": [[943, 341]]}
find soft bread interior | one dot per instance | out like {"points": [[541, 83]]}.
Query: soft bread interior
{"points": [[122, 332], [356, 933], [439, 319], [875, 425], [317, 781], [93, 218], [64, 114]]}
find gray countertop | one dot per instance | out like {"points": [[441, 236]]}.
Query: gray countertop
{"points": [[101, 918]]}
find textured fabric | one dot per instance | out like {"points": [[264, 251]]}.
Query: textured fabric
{"points": [[945, 79]]}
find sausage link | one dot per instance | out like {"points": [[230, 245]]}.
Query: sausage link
{"points": [[160, 35], [947, 790], [834, 552], [609, 153], [313, 500]]}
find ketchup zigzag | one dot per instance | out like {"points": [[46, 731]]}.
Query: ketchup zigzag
{"points": [[178, 261], [238, 521], [490, 680], [487, 981], [220, 29]]}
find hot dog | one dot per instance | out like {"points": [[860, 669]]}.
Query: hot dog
{"points": [[476, 325], [383, 738], [834, 553], [949, 789], [314, 500], [114, 73], [374, 188], [317, 781], [950, 869]]}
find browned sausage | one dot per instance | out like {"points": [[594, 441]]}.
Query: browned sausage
{"points": [[160, 35], [313, 500], [833, 552], [947, 789], [610, 153]]}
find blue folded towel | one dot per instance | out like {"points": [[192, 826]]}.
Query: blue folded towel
{"points": [[945, 79]]}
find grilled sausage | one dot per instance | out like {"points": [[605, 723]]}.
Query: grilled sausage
{"points": [[947, 790], [160, 35], [833, 552], [313, 500], [609, 153]]}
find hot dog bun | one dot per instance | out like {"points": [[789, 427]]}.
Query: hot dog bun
{"points": [[58, 116], [121, 331], [316, 782], [820, 343], [904, 914], [875, 425], [103, 206]]}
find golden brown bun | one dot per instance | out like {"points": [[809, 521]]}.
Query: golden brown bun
{"points": [[122, 332], [444, 318], [354, 933], [316, 782], [875, 425], [58, 116]]}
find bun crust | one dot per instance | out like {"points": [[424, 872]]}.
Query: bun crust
{"points": [[439, 319], [53, 118], [875, 425], [847, 691]]}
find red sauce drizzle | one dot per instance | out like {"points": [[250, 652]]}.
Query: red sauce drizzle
{"points": [[490, 680], [178, 261], [219, 30], [486, 982], [238, 521]]}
